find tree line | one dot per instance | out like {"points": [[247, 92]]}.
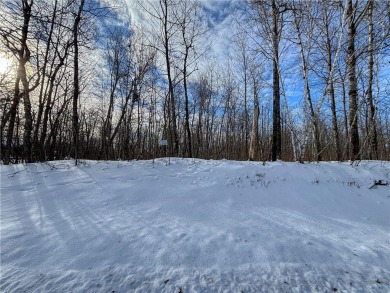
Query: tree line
{"points": [[299, 81]]}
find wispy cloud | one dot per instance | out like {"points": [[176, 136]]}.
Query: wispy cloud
{"points": [[218, 18]]}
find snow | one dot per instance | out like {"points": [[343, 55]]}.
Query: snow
{"points": [[195, 226]]}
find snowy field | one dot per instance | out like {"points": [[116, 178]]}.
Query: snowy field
{"points": [[195, 226]]}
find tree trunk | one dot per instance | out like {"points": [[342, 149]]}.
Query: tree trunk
{"points": [[28, 120], [335, 128], [246, 131], [254, 143], [372, 133], [12, 119], [187, 118], [171, 96], [352, 90], [49, 103], [36, 145], [345, 114], [305, 71], [76, 89], [23, 57], [276, 129]]}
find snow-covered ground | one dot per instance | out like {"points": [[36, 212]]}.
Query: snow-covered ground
{"points": [[195, 226]]}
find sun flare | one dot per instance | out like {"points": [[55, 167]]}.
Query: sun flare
{"points": [[5, 65]]}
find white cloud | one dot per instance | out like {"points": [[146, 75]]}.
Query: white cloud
{"points": [[217, 15]]}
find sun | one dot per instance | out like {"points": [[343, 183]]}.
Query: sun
{"points": [[5, 65]]}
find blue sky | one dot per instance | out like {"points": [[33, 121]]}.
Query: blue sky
{"points": [[222, 25], [219, 20]]}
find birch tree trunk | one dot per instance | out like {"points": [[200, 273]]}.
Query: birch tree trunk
{"points": [[307, 92], [330, 68]]}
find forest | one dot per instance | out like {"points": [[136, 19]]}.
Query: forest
{"points": [[238, 80]]}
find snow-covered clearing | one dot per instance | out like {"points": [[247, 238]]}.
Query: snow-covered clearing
{"points": [[195, 226]]}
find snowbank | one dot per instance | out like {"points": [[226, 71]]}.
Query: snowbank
{"points": [[195, 226]]}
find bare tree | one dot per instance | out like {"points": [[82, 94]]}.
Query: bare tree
{"points": [[327, 15], [16, 40], [76, 87], [373, 140], [191, 28], [298, 18], [254, 142], [270, 20], [276, 125], [244, 60], [354, 18]]}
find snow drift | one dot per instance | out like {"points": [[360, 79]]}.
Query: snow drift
{"points": [[195, 226]]}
